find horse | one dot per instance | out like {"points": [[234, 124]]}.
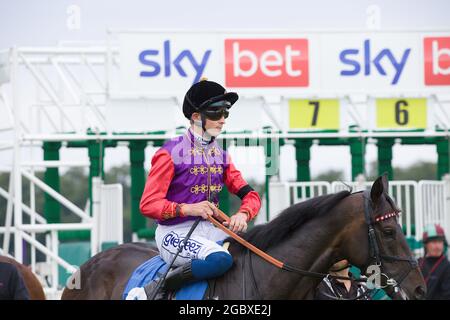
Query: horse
{"points": [[309, 236], [32, 283]]}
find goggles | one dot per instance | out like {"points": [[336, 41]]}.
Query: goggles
{"points": [[216, 114], [217, 110]]}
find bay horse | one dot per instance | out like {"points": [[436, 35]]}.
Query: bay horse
{"points": [[32, 283], [361, 227]]}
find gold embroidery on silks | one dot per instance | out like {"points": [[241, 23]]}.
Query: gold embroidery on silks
{"points": [[205, 153], [200, 169], [203, 188], [195, 189], [199, 188], [195, 170], [196, 151], [216, 188], [216, 169], [214, 151]]}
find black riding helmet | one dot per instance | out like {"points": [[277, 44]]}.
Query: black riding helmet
{"points": [[205, 93]]}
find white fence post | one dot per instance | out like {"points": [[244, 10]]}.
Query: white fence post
{"points": [[110, 221], [96, 194], [446, 179], [9, 214], [55, 273], [279, 198], [360, 182], [434, 199]]}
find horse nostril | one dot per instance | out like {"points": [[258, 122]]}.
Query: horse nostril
{"points": [[419, 293]]}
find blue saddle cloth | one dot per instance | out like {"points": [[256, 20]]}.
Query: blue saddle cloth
{"points": [[151, 269]]}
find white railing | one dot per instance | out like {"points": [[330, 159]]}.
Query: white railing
{"points": [[283, 194], [421, 202], [111, 214], [106, 224], [433, 205], [404, 193]]}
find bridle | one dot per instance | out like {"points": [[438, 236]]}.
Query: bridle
{"points": [[374, 251]]}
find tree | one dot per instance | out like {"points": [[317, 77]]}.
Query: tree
{"points": [[421, 170], [330, 176]]}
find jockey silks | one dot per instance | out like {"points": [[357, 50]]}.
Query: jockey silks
{"points": [[185, 171]]}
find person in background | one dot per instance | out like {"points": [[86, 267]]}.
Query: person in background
{"points": [[435, 266], [340, 289]]}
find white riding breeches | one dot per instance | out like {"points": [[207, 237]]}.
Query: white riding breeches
{"points": [[200, 244]]}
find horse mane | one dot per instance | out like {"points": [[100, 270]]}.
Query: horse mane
{"points": [[273, 232]]}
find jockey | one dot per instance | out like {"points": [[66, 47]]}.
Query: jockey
{"points": [[186, 176], [435, 266]]}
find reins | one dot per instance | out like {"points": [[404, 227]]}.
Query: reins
{"points": [[277, 263]]}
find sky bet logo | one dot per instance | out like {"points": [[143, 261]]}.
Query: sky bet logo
{"points": [[167, 62], [437, 61], [373, 62], [266, 63]]}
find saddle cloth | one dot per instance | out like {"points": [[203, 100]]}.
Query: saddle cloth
{"points": [[151, 270]]}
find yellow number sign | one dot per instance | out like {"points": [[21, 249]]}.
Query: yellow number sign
{"points": [[401, 113], [314, 114]]}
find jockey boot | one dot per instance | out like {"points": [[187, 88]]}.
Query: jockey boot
{"points": [[175, 279]]}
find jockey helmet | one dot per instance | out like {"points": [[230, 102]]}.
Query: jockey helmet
{"points": [[204, 94], [433, 232]]}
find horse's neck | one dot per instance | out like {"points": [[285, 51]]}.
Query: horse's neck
{"points": [[306, 250]]}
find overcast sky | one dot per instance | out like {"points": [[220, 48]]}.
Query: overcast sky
{"points": [[45, 23]]}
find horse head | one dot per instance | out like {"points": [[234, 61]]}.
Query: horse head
{"points": [[376, 244]]}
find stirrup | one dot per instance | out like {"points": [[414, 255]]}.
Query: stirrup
{"points": [[174, 280], [162, 294]]}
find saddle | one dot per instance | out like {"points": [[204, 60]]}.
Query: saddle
{"points": [[152, 270]]}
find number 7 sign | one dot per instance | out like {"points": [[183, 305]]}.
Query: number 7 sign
{"points": [[321, 114]]}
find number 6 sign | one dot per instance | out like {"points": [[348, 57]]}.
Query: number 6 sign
{"points": [[401, 113]]}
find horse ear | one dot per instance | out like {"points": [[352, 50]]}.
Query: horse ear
{"points": [[385, 180], [378, 188]]}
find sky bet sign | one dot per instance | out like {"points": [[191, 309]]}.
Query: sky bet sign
{"points": [[437, 60], [372, 62], [165, 62], [266, 63], [331, 63]]}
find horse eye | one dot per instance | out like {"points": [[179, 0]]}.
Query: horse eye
{"points": [[389, 232]]}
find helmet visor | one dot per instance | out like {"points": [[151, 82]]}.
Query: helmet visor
{"points": [[216, 113]]}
